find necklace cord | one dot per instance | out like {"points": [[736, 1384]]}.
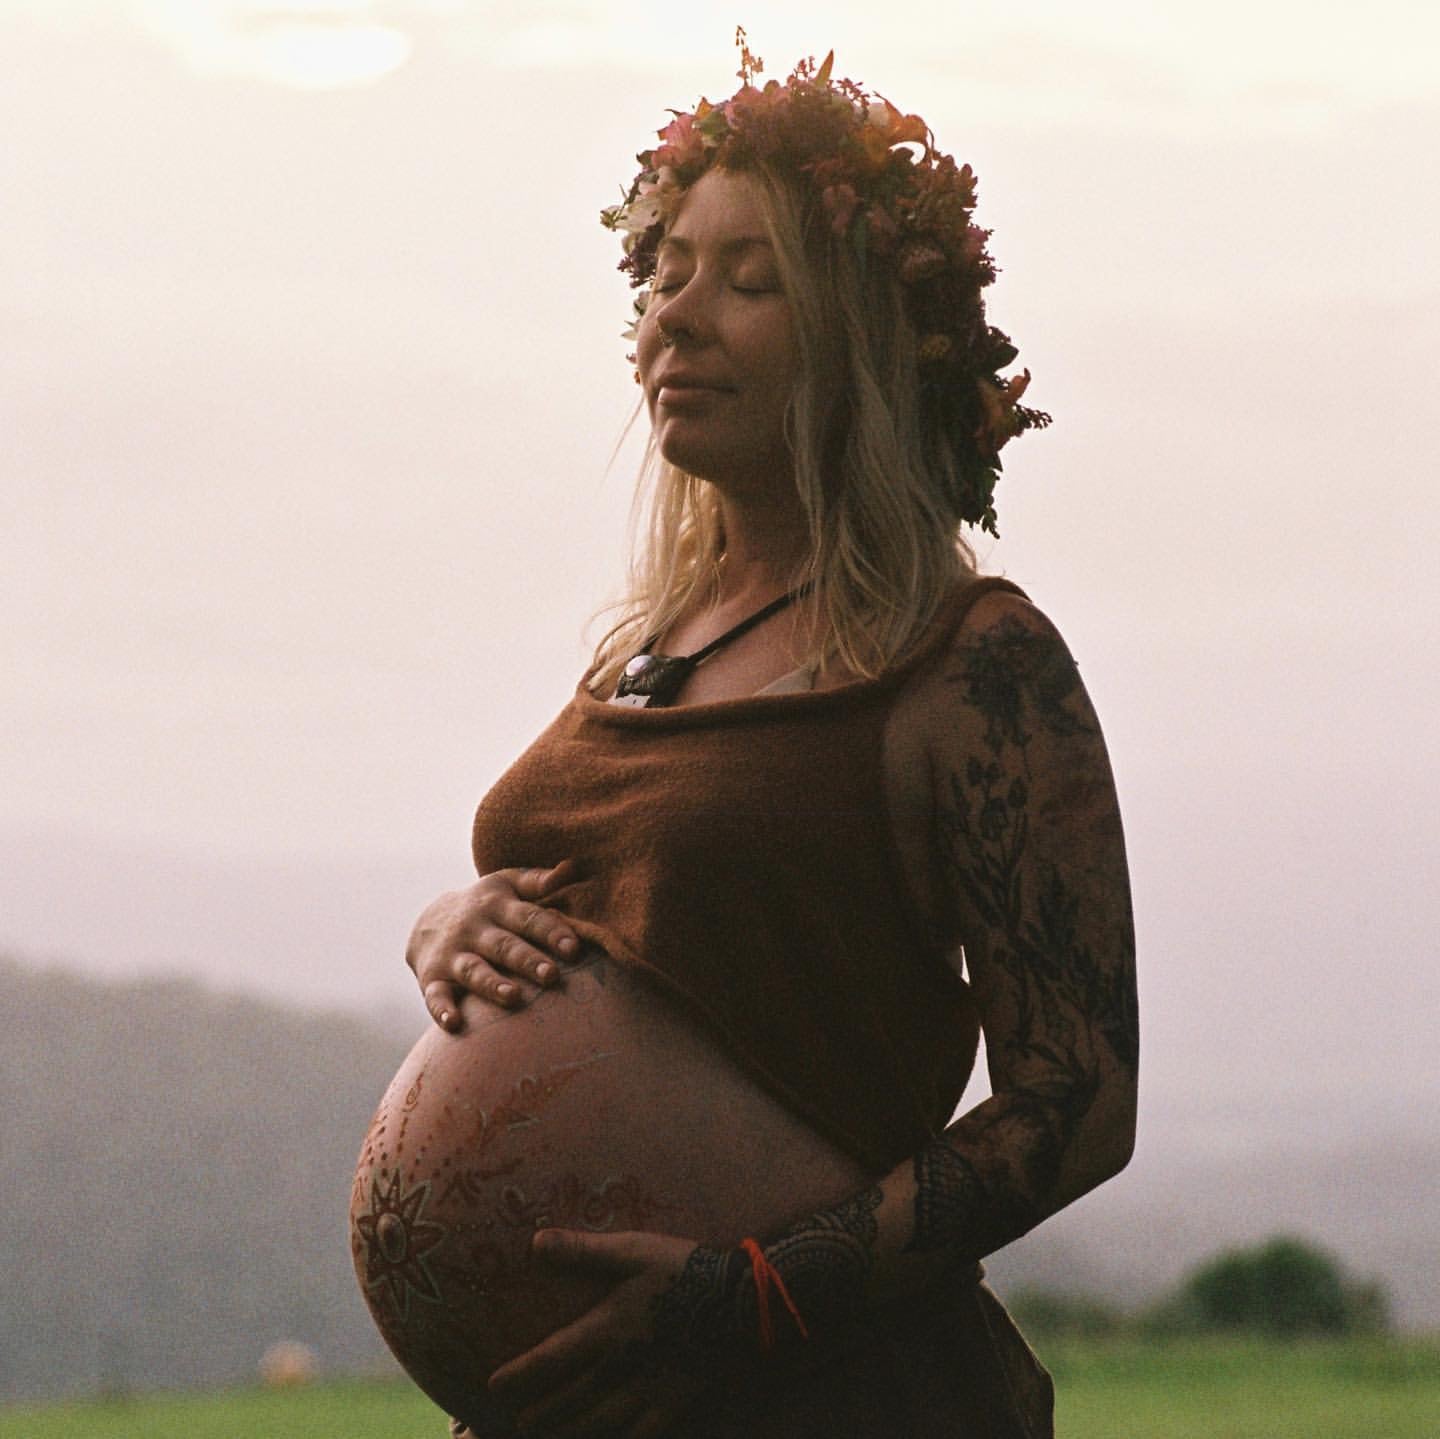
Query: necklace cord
{"points": [[660, 677], [746, 625]]}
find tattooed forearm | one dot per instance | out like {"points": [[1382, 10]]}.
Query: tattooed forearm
{"points": [[826, 1259], [981, 1184], [949, 1197], [707, 1311]]}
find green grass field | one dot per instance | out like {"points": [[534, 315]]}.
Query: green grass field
{"points": [[1191, 1389], [1237, 1389], [344, 1409]]}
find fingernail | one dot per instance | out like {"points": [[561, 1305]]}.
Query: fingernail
{"points": [[544, 973], [568, 945], [445, 1016], [506, 992]]}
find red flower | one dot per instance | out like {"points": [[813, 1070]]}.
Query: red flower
{"points": [[682, 144]]}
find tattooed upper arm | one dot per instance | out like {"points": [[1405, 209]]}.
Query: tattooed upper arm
{"points": [[1029, 850]]}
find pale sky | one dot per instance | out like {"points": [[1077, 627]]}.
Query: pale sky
{"points": [[312, 369]]}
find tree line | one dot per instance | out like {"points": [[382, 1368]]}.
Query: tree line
{"points": [[1284, 1287]]}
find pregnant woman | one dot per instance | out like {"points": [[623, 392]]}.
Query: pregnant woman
{"points": [[679, 1155]]}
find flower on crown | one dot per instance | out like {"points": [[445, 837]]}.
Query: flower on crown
{"points": [[881, 186]]}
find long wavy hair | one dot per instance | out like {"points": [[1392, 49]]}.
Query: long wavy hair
{"points": [[872, 477]]}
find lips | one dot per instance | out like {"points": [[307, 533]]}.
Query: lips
{"points": [[684, 391], [683, 380]]}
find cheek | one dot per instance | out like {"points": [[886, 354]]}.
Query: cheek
{"points": [[783, 364], [647, 348], [784, 376]]}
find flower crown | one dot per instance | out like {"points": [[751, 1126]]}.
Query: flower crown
{"points": [[895, 207]]}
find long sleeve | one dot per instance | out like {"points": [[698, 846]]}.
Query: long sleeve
{"points": [[1030, 876]]}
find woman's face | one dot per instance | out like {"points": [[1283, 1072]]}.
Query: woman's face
{"points": [[717, 394]]}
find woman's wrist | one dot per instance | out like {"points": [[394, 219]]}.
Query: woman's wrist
{"points": [[754, 1300], [708, 1313], [827, 1260]]}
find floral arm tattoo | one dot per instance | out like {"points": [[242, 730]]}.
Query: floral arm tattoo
{"points": [[1032, 860], [1031, 877]]}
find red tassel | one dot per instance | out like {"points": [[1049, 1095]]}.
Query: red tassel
{"points": [[765, 1275]]}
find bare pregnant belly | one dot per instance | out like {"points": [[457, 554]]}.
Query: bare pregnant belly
{"points": [[599, 1107]]}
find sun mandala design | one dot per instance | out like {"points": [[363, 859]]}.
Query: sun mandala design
{"points": [[395, 1240]]}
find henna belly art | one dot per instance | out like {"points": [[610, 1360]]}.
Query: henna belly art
{"points": [[391, 1241], [570, 1203], [520, 1109], [528, 1096], [497, 1246], [470, 1184]]}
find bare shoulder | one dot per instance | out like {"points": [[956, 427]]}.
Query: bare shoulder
{"points": [[1005, 670], [997, 726], [1004, 613]]}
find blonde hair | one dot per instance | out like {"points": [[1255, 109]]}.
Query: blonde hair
{"points": [[872, 478]]}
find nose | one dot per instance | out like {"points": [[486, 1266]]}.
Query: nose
{"points": [[682, 314]]}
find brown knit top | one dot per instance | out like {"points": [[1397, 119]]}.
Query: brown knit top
{"points": [[741, 854]]}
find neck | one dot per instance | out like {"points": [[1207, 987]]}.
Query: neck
{"points": [[765, 542]]}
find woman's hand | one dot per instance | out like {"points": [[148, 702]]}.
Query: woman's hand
{"points": [[633, 1364], [484, 938]]}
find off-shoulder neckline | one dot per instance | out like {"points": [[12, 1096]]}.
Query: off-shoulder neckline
{"points": [[798, 702]]}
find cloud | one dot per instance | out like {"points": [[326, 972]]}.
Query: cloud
{"points": [[305, 44]]}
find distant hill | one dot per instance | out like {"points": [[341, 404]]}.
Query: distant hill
{"points": [[174, 1177]]}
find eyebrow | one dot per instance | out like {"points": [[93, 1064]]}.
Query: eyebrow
{"points": [[740, 242]]}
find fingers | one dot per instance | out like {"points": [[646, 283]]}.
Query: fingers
{"points": [[526, 916], [553, 1364], [656, 1422], [623, 1394], [597, 1401], [507, 943], [537, 883], [444, 1006], [666, 1402], [619, 1254], [477, 976], [487, 939]]}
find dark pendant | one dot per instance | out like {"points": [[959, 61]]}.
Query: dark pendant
{"points": [[658, 678]]}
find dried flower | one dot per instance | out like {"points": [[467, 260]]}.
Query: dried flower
{"points": [[857, 155]]}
